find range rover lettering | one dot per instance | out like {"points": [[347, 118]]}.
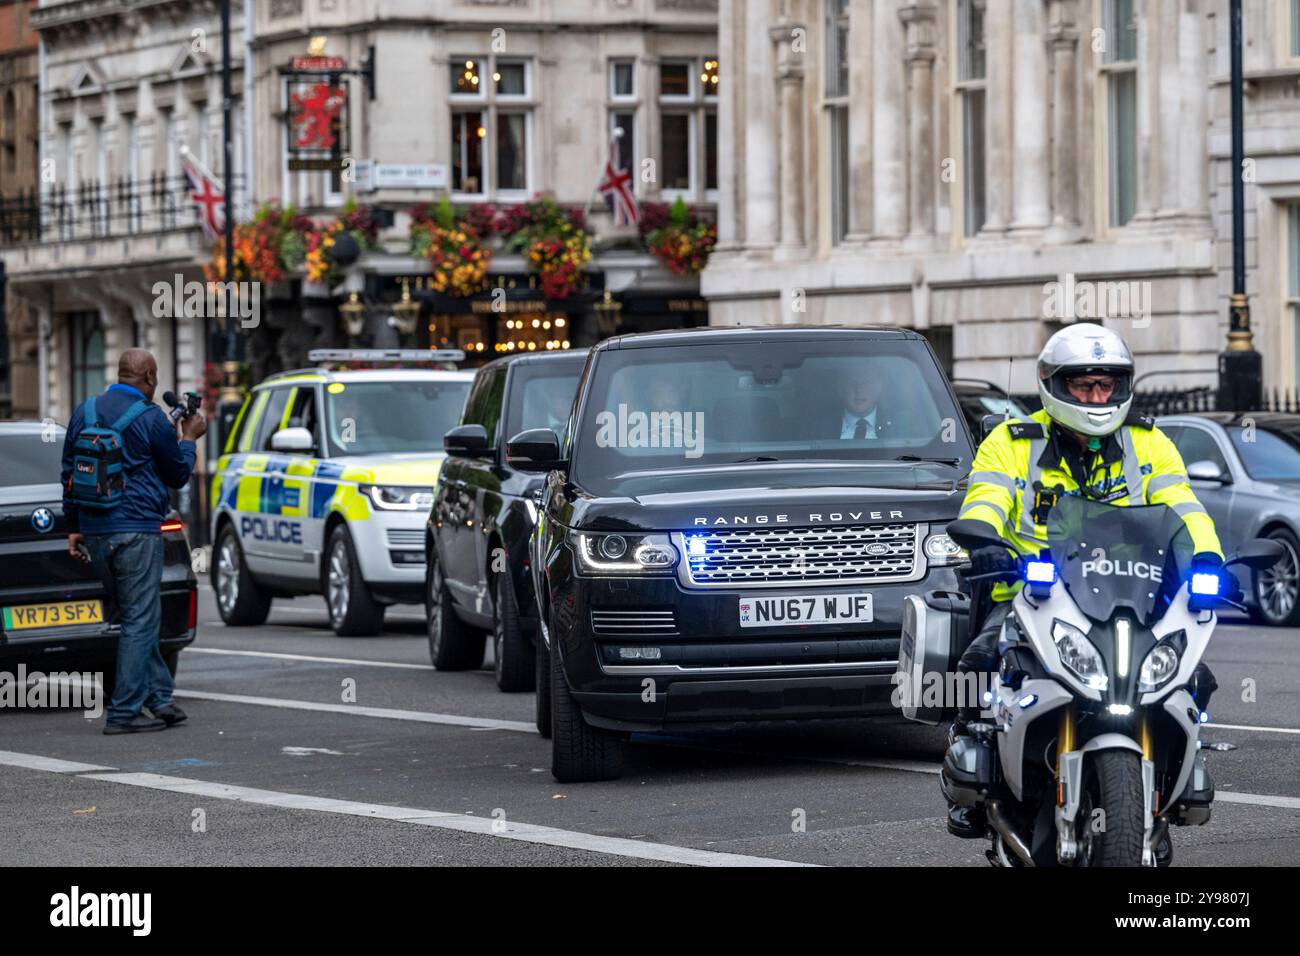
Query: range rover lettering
{"points": [[729, 530]]}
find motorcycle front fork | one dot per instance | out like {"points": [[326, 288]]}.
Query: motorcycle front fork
{"points": [[1069, 787]]}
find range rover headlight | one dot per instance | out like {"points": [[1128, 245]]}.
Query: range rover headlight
{"points": [[1158, 669], [1080, 657], [398, 497], [941, 551], [624, 553]]}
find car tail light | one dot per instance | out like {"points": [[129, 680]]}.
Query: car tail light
{"points": [[194, 609], [173, 525]]}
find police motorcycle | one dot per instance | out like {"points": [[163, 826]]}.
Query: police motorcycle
{"points": [[1088, 744]]}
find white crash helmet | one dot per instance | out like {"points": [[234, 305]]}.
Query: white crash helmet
{"points": [[1085, 349]]}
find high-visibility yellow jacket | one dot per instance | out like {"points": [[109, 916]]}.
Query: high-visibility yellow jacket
{"points": [[1014, 457]]}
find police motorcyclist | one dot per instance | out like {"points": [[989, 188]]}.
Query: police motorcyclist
{"points": [[1086, 441]]}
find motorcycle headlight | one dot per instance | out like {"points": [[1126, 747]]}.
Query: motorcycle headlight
{"points": [[1079, 655], [398, 497], [941, 551], [1158, 669], [624, 553]]}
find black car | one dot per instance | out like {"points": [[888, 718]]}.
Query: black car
{"points": [[484, 512], [54, 613], [731, 527]]}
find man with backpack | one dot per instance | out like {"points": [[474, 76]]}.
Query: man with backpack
{"points": [[120, 455]]}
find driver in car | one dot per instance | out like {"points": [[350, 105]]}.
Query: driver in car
{"points": [[1085, 441]]}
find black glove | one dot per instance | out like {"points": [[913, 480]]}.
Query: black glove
{"points": [[993, 559]]}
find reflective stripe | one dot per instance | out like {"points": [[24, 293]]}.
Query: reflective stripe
{"points": [[994, 478], [992, 506], [1189, 508], [1161, 482], [1132, 468]]}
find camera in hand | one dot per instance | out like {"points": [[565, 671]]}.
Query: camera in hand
{"points": [[181, 410]]}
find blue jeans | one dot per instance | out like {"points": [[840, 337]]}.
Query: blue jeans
{"points": [[130, 566]]}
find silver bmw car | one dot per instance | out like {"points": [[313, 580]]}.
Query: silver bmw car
{"points": [[1245, 469]]}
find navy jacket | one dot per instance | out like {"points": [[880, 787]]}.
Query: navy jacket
{"points": [[154, 458]]}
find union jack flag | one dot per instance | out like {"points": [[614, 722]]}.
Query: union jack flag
{"points": [[618, 184], [207, 193]]}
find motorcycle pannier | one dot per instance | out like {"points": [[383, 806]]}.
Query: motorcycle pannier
{"points": [[935, 628]]}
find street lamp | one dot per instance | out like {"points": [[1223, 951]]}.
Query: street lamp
{"points": [[1241, 384]]}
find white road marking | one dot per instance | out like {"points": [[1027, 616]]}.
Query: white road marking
{"points": [[9, 758], [309, 751], [308, 657], [465, 823], [454, 720], [1260, 730], [1256, 799]]}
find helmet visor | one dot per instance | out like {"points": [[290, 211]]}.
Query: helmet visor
{"points": [[1100, 385]]}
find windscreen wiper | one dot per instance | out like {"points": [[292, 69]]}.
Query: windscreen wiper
{"points": [[951, 462], [741, 461]]}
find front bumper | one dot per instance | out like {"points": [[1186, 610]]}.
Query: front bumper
{"points": [[390, 549], [710, 670]]}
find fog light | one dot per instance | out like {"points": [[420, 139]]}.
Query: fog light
{"points": [[638, 654], [650, 556]]}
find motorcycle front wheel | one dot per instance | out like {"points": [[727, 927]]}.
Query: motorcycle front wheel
{"points": [[1111, 824]]}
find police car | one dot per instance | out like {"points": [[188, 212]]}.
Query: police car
{"points": [[325, 483]]}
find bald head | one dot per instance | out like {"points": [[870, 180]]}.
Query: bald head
{"points": [[138, 369]]}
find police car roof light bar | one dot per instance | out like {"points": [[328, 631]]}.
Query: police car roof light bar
{"points": [[385, 355]]}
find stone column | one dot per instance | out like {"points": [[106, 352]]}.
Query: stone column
{"points": [[1193, 149], [1063, 35], [1148, 126], [1029, 120], [760, 122], [919, 18], [730, 149], [790, 85], [860, 129], [888, 122], [1168, 104], [998, 100]]}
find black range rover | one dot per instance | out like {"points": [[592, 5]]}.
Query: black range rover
{"points": [[730, 529]]}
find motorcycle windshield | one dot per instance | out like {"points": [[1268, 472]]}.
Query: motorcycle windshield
{"points": [[1111, 556]]}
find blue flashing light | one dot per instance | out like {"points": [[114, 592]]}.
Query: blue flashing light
{"points": [[1027, 701], [1205, 584], [1040, 572], [695, 546], [987, 697], [1205, 716]]}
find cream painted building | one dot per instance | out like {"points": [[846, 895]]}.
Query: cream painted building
{"points": [[964, 167]]}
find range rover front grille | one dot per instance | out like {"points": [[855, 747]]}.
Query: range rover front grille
{"points": [[633, 623], [779, 557]]}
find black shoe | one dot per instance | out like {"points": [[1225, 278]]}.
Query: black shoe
{"points": [[171, 714], [136, 725], [966, 822]]}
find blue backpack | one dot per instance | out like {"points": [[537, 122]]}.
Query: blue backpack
{"points": [[98, 478]]}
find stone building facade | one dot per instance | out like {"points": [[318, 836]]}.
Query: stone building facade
{"points": [[984, 171], [19, 162]]}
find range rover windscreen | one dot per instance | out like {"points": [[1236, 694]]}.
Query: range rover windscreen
{"points": [[862, 400]]}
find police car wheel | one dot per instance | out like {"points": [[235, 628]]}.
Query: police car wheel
{"points": [[1277, 589], [512, 650], [353, 611], [240, 602], [453, 644], [579, 751]]}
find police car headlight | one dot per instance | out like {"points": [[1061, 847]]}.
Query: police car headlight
{"points": [[398, 497], [941, 551], [1080, 657], [624, 553]]}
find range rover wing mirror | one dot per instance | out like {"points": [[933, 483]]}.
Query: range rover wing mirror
{"points": [[466, 441], [292, 440], [990, 422], [536, 450]]}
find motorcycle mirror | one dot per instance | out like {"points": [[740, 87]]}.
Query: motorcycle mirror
{"points": [[1259, 554], [971, 534]]}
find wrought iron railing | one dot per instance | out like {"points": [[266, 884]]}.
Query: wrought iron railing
{"points": [[95, 209]]}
